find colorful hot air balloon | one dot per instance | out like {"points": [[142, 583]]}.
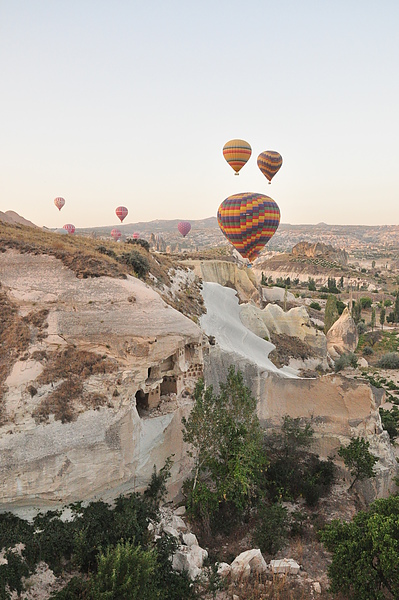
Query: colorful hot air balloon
{"points": [[121, 212], [269, 162], [59, 202], [184, 227], [248, 221], [136, 235], [237, 153], [69, 228], [116, 234]]}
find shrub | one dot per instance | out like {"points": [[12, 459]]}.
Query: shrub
{"points": [[361, 327], [365, 302], [315, 305], [345, 361], [139, 242], [390, 360], [340, 306], [137, 261], [367, 351], [390, 421], [126, 572], [273, 527]]}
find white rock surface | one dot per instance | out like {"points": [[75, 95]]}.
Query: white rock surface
{"points": [[342, 337], [248, 563], [190, 559], [284, 566]]}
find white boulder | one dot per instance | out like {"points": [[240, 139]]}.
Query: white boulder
{"points": [[284, 566], [247, 563]]}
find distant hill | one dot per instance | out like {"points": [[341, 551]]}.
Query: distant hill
{"points": [[12, 217]]}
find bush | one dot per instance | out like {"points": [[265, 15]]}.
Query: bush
{"points": [[137, 261], [367, 351], [126, 572], [315, 305], [345, 361], [361, 327], [390, 360], [139, 242], [365, 302], [273, 527], [340, 306]]}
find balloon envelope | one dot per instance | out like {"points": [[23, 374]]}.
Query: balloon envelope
{"points": [[248, 221], [121, 212], [269, 162], [136, 235], [59, 202], [69, 228], [237, 153], [116, 234], [184, 227]]}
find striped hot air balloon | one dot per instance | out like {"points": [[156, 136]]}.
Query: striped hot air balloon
{"points": [[116, 234], [121, 212], [59, 202], [69, 228], [136, 235], [269, 162], [237, 154], [248, 221], [184, 227]]}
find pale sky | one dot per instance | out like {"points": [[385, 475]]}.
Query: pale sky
{"points": [[129, 102]]}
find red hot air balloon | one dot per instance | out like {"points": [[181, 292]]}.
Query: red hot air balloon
{"points": [[69, 228], [184, 227], [248, 221], [121, 212], [116, 234], [269, 162], [136, 235], [59, 202], [237, 153]]}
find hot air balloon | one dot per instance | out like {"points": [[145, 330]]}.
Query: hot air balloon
{"points": [[184, 227], [269, 162], [121, 212], [136, 235], [69, 228], [116, 234], [248, 221], [59, 202], [237, 153]]}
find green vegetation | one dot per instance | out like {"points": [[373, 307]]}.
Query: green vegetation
{"points": [[226, 440], [315, 305], [331, 312], [117, 556], [390, 421], [358, 459], [345, 361], [389, 361], [365, 552]]}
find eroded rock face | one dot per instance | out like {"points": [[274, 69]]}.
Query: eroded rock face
{"points": [[320, 250], [337, 408], [95, 424], [228, 274], [342, 337]]}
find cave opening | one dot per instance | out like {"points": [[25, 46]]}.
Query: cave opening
{"points": [[141, 402]]}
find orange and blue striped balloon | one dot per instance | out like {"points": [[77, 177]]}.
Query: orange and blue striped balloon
{"points": [[237, 154], [269, 162], [248, 221]]}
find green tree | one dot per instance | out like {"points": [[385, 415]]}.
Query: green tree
{"points": [[382, 317], [330, 313], [358, 459], [372, 322], [226, 442], [125, 572], [396, 307], [263, 280], [311, 284], [365, 552]]}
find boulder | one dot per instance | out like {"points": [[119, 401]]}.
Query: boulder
{"points": [[276, 294], [190, 559], [248, 563], [342, 337], [284, 566], [251, 318], [224, 569]]}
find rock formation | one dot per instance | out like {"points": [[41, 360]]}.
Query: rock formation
{"points": [[94, 396], [342, 337], [321, 250]]}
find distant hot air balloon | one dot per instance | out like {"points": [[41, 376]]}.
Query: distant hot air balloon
{"points": [[269, 162], [237, 153], [116, 234], [136, 235], [248, 221], [59, 202], [69, 228], [121, 212], [184, 227]]}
